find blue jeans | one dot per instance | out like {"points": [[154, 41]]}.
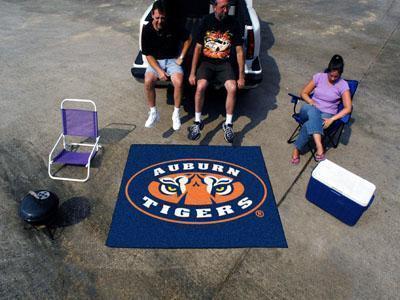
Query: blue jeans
{"points": [[168, 65], [313, 123]]}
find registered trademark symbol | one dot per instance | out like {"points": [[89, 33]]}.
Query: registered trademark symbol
{"points": [[260, 213]]}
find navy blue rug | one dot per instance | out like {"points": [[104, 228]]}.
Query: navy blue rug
{"points": [[195, 197]]}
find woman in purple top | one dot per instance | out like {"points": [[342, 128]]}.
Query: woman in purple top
{"points": [[321, 109]]}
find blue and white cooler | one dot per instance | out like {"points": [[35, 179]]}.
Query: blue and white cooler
{"points": [[339, 192]]}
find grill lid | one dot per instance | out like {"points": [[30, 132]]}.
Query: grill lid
{"points": [[38, 206]]}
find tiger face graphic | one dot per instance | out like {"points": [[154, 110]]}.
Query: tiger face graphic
{"points": [[196, 188], [217, 45]]}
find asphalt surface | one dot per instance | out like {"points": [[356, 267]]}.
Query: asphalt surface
{"points": [[51, 50]]}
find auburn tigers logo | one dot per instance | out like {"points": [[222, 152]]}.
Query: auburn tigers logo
{"points": [[196, 191]]}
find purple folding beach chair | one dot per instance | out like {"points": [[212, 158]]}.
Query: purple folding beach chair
{"points": [[77, 123]]}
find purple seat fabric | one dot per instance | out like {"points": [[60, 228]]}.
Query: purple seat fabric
{"points": [[78, 122], [72, 158]]}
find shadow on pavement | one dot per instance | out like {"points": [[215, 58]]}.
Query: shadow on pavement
{"points": [[115, 132], [257, 103], [72, 211], [111, 134]]}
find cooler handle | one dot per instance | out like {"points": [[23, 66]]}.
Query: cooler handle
{"points": [[336, 192]]}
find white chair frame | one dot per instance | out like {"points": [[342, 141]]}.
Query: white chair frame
{"points": [[95, 146]]}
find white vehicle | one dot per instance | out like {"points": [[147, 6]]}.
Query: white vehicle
{"points": [[190, 14]]}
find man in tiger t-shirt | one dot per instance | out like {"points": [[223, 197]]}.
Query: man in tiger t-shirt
{"points": [[217, 37]]}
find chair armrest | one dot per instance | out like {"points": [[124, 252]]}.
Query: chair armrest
{"points": [[55, 146], [95, 146], [295, 100], [346, 118]]}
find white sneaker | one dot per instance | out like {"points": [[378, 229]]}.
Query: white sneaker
{"points": [[176, 121], [153, 118]]}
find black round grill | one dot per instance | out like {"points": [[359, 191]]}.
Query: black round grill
{"points": [[39, 207]]}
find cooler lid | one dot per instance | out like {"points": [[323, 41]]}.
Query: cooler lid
{"points": [[343, 181]]}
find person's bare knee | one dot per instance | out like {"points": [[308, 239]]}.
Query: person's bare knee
{"points": [[149, 82], [230, 86], [201, 86], [177, 80]]}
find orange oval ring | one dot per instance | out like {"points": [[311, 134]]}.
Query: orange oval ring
{"points": [[195, 223]]}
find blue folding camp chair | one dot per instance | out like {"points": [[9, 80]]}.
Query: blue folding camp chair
{"points": [[333, 133], [77, 123]]}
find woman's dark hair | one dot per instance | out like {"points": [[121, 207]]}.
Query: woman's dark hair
{"points": [[160, 6], [336, 64]]}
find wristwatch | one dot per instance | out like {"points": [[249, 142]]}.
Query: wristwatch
{"points": [[181, 57]]}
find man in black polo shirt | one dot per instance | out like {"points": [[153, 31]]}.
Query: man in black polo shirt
{"points": [[218, 35], [160, 45]]}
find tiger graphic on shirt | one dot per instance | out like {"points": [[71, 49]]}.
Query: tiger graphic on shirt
{"points": [[217, 45]]}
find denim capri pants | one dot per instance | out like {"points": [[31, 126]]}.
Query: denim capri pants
{"points": [[313, 123]]}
